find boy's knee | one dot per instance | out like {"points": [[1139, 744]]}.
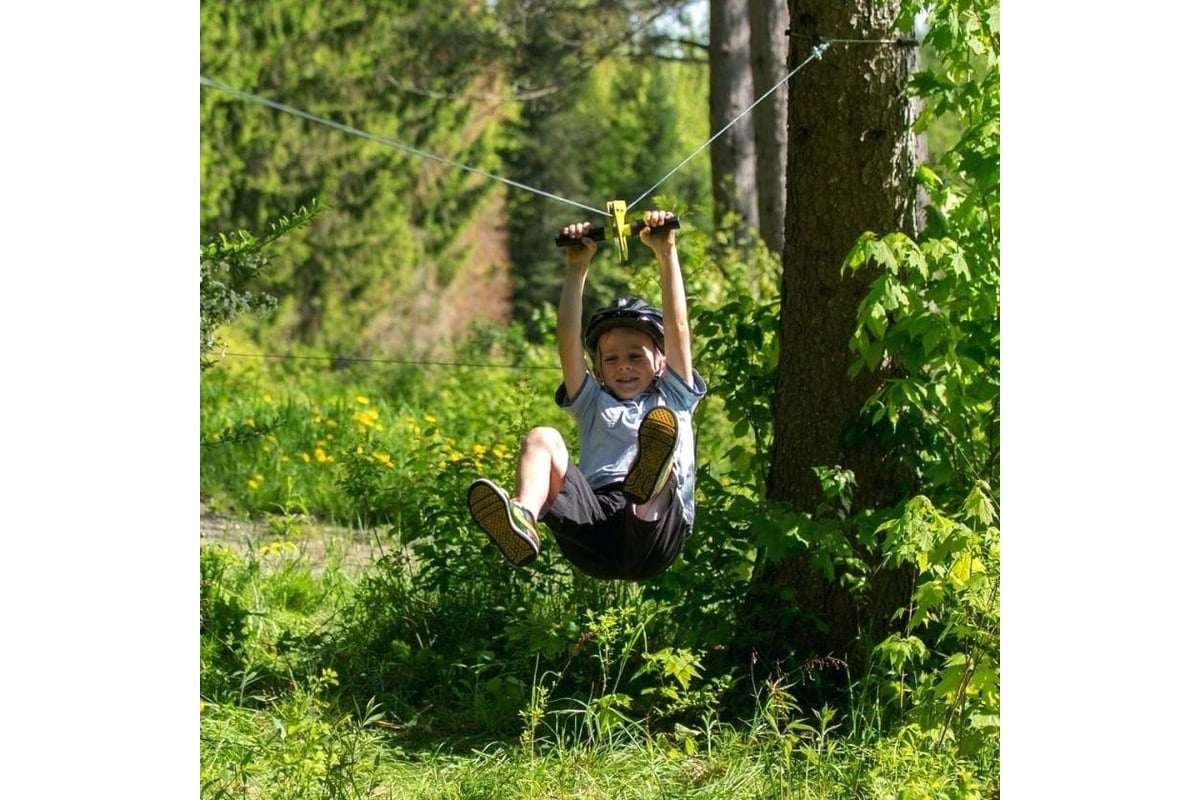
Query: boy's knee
{"points": [[545, 438]]}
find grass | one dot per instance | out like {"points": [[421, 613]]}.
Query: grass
{"points": [[277, 722], [250, 756]]}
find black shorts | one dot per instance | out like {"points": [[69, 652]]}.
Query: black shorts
{"points": [[598, 532]]}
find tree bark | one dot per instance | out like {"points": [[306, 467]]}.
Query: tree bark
{"points": [[731, 91], [851, 161], [768, 64]]}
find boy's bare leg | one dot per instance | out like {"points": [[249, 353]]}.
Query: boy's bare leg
{"points": [[541, 468], [653, 508]]}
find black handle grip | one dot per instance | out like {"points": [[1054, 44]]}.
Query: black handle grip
{"points": [[598, 233]]}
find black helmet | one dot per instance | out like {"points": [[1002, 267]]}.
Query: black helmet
{"points": [[626, 312]]}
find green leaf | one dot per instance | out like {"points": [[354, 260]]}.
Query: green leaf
{"points": [[979, 506]]}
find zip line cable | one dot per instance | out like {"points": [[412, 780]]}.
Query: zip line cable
{"points": [[817, 52], [389, 142], [408, 362], [899, 41]]}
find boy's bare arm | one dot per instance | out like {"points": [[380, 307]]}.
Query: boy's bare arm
{"points": [[568, 331], [677, 333]]}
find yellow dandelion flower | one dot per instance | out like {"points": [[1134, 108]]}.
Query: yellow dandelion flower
{"points": [[305, 457], [367, 419], [456, 456], [278, 549], [383, 458], [331, 423], [362, 401], [478, 449], [267, 398], [253, 484], [430, 418]]}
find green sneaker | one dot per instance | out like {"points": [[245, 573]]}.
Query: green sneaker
{"points": [[656, 455], [512, 526]]}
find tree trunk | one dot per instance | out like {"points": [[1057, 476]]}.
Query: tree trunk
{"points": [[851, 161], [731, 91], [768, 63]]}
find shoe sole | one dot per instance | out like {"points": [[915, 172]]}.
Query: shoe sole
{"points": [[656, 446], [489, 508]]}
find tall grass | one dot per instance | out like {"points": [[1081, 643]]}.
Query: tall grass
{"points": [[277, 723]]}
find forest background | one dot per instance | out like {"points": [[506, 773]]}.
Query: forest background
{"points": [[846, 561], [131, 597]]}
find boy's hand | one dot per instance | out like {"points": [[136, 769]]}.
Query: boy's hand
{"points": [[660, 241], [581, 252]]}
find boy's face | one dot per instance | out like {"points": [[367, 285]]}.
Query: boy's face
{"points": [[629, 362]]}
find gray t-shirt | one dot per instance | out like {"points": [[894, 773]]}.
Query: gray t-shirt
{"points": [[608, 430]]}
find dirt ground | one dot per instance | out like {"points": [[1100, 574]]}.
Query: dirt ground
{"points": [[357, 549]]}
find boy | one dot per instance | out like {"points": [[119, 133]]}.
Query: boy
{"points": [[625, 511]]}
